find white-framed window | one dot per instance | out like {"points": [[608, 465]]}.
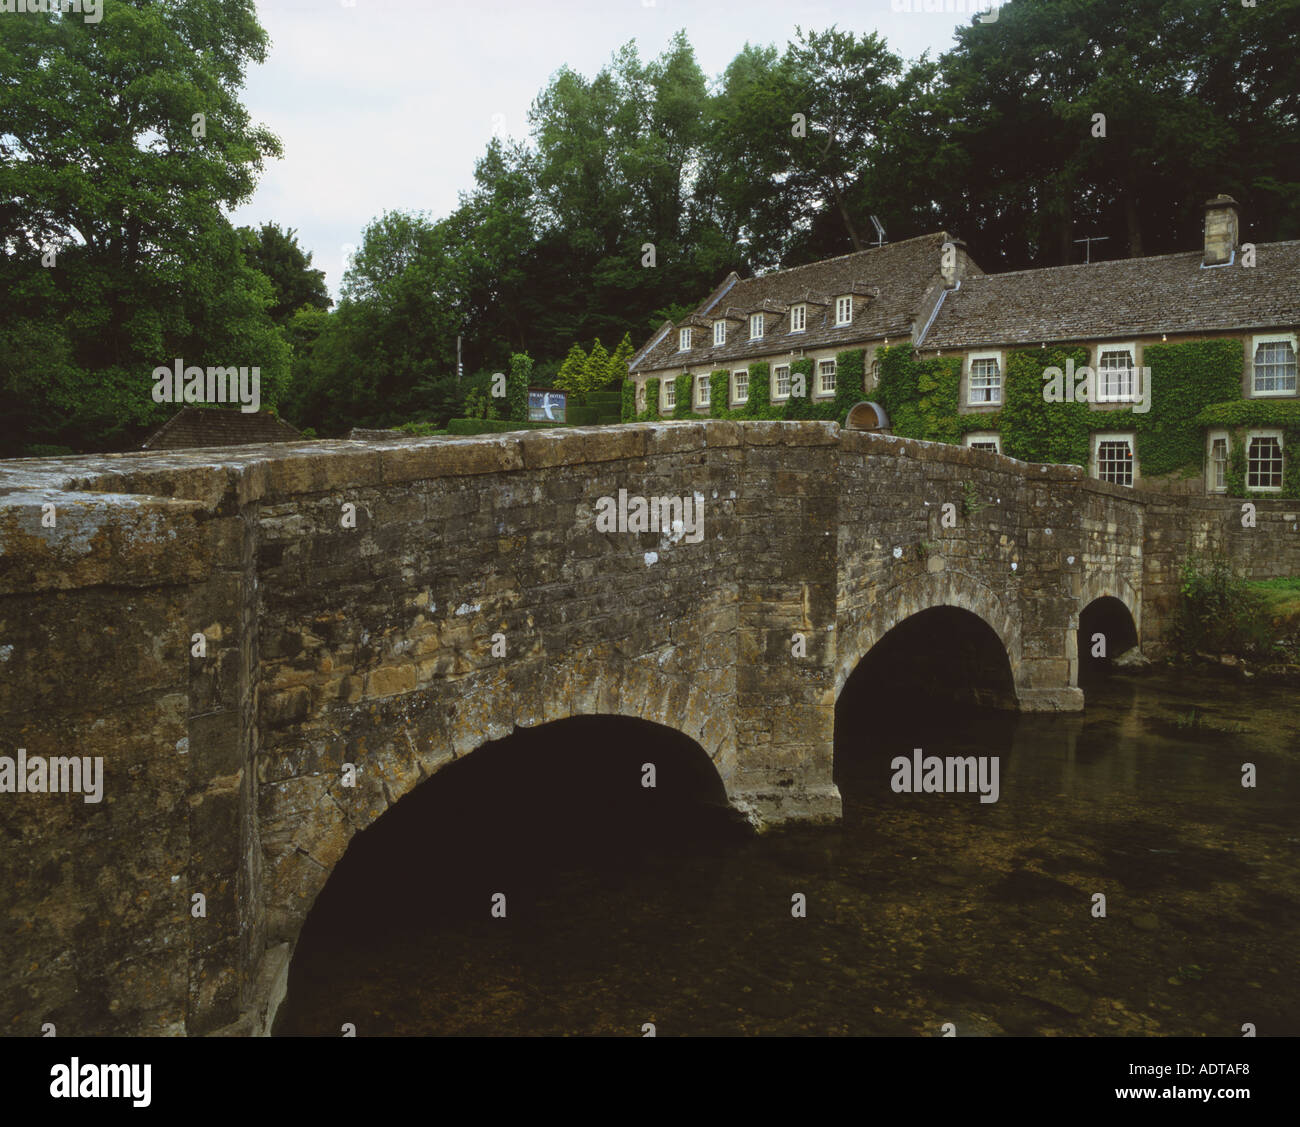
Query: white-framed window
{"points": [[984, 440], [668, 394], [701, 391], [1117, 375], [683, 340], [1114, 459], [1264, 460], [826, 377], [781, 381], [984, 378], [740, 385], [1273, 368], [1216, 473], [843, 310], [798, 318], [755, 326], [719, 332]]}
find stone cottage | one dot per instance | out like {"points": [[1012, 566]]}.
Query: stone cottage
{"points": [[928, 292]]}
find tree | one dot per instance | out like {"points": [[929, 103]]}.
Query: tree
{"points": [[276, 254], [618, 362], [595, 374], [116, 166], [571, 371]]}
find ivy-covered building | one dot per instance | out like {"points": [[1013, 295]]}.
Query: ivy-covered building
{"points": [[1176, 371]]}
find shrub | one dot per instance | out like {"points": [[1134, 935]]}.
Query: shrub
{"points": [[1217, 610]]}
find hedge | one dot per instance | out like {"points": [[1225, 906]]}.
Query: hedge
{"points": [[493, 426]]}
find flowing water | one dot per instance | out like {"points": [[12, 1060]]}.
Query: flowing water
{"points": [[627, 905]]}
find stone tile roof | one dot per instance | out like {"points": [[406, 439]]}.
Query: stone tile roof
{"points": [[1130, 297], [890, 282], [194, 427]]}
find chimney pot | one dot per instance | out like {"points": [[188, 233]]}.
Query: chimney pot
{"points": [[1221, 229]]}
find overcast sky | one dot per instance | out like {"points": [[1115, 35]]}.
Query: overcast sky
{"points": [[386, 104]]}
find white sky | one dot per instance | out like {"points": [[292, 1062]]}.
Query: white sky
{"points": [[386, 104]]}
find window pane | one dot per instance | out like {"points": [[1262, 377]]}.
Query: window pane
{"points": [[1115, 461], [783, 381], [1275, 367], [826, 372], [1115, 376], [985, 382], [1219, 464], [1264, 464]]}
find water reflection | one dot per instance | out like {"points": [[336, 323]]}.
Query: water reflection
{"points": [[628, 905]]}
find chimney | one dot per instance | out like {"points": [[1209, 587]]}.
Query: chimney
{"points": [[1220, 230], [954, 261]]}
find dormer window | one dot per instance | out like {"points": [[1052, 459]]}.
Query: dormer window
{"points": [[798, 318], [755, 326], [843, 310], [684, 340], [719, 332]]}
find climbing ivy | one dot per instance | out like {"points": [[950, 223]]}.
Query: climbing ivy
{"points": [[1239, 414], [651, 410], [629, 401], [719, 393], [682, 405], [922, 399]]}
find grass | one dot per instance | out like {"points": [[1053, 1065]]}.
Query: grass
{"points": [[1281, 596]]}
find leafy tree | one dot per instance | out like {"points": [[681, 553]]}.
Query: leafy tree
{"points": [[595, 373], [617, 369], [571, 371], [276, 254], [118, 256]]}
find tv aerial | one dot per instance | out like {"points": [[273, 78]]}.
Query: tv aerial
{"points": [[880, 231]]}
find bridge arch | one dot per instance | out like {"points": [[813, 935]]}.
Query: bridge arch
{"points": [[306, 824], [864, 627]]}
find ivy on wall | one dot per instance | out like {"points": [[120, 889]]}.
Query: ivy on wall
{"points": [[628, 413], [651, 410], [685, 390], [922, 398], [720, 394], [1239, 414]]}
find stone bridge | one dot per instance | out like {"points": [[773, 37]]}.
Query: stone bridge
{"points": [[229, 629]]}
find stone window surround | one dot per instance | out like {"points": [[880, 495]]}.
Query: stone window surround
{"points": [[1210, 439], [971, 357], [1264, 432], [1131, 348], [775, 396], [974, 436], [734, 383], [1098, 437], [702, 395], [667, 394], [1254, 343]]}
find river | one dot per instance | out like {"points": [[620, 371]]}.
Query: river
{"points": [[627, 906]]}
